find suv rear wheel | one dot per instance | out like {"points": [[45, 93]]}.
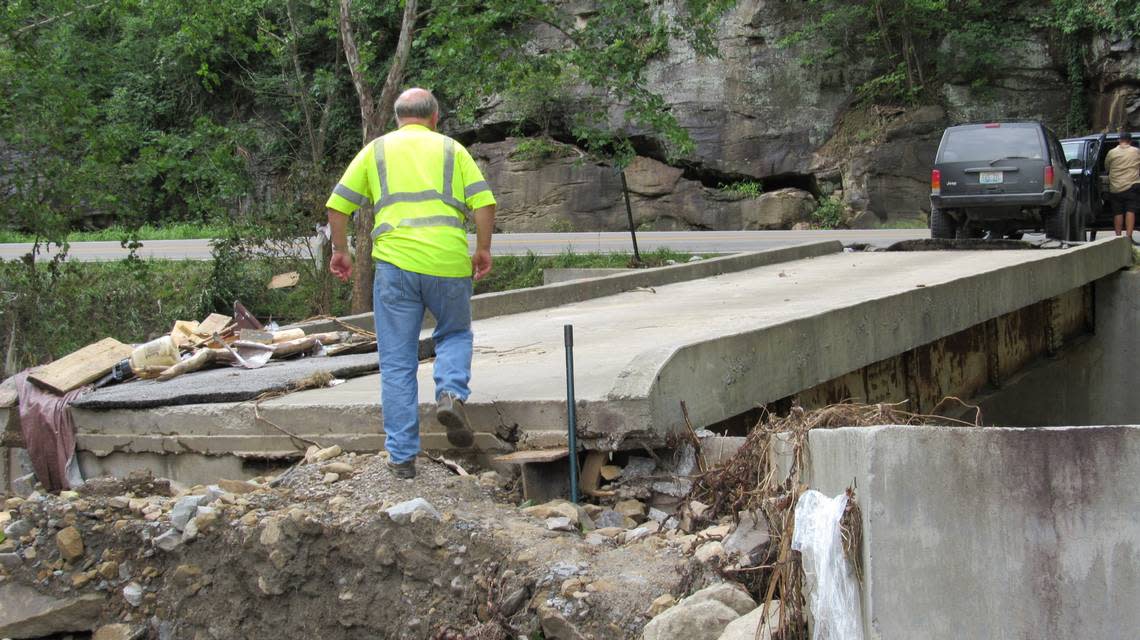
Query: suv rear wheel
{"points": [[942, 225]]}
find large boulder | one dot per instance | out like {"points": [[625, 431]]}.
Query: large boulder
{"points": [[780, 209], [703, 615], [27, 613], [730, 595], [559, 189], [702, 621], [749, 627]]}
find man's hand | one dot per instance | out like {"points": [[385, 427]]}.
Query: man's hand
{"points": [[341, 265], [481, 263]]}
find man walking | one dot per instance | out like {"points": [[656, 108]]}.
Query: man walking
{"points": [[420, 186], [1123, 164]]}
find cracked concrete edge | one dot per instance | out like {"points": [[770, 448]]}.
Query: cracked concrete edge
{"points": [[231, 429], [770, 363], [502, 303]]}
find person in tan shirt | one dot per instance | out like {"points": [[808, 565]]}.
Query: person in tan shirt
{"points": [[1123, 165]]}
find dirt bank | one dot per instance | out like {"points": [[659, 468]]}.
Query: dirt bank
{"points": [[337, 550]]}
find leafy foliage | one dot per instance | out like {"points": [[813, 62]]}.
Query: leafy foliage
{"points": [[829, 214], [537, 149], [535, 52], [745, 188], [917, 44]]}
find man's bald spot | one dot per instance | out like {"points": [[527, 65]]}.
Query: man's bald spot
{"points": [[416, 104]]}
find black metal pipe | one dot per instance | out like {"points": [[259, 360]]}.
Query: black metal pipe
{"points": [[629, 216], [571, 418]]}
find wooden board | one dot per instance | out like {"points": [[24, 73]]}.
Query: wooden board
{"points": [[183, 333], [213, 323], [536, 455], [284, 280], [82, 367], [590, 478]]}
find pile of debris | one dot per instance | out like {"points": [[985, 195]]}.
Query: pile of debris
{"points": [[337, 548], [43, 395], [240, 340], [760, 487]]}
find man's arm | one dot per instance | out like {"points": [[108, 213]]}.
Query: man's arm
{"points": [[484, 225], [340, 264]]}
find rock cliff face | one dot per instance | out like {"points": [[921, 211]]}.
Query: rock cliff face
{"points": [[1115, 88], [759, 117], [567, 192]]}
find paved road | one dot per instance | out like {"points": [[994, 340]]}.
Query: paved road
{"points": [[538, 243]]}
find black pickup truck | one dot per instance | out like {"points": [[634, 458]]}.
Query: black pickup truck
{"points": [[1084, 157]]}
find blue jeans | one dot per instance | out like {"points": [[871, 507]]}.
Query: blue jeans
{"points": [[398, 301]]}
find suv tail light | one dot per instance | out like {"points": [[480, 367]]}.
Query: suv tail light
{"points": [[1049, 177], [936, 182]]}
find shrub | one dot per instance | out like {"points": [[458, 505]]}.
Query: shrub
{"points": [[829, 214], [744, 188]]}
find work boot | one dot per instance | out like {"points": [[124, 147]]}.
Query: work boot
{"points": [[451, 414], [403, 470]]}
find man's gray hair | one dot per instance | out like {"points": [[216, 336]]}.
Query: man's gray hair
{"points": [[417, 104]]}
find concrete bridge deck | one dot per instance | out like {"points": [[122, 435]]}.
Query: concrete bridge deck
{"points": [[722, 344]]}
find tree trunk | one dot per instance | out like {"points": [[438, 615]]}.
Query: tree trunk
{"points": [[374, 117]]}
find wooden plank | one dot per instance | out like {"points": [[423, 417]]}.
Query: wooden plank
{"points": [[284, 280], [213, 323], [590, 478], [256, 335], [183, 333], [535, 455], [82, 367]]}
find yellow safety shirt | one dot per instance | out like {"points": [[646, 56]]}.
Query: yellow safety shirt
{"points": [[421, 186]]}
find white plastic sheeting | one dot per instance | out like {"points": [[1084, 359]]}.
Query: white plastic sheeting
{"points": [[833, 590]]}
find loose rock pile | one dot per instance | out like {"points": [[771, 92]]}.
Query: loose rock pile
{"points": [[338, 548]]}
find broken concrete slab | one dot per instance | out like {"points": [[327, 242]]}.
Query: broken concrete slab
{"points": [[227, 384], [27, 613], [749, 540]]}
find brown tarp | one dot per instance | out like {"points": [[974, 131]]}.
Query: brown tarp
{"points": [[48, 430]]}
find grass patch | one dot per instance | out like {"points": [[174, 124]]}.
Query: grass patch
{"points": [[744, 188], [179, 231]]}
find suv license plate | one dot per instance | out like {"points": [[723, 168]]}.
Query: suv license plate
{"points": [[990, 177]]}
